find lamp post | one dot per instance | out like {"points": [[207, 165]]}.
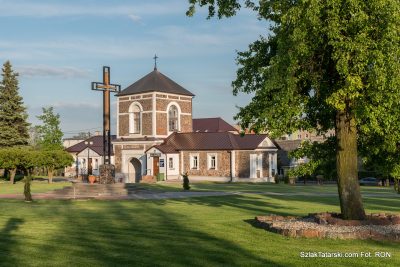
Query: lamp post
{"points": [[88, 144]]}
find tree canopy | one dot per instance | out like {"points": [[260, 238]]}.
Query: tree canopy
{"points": [[50, 134], [323, 65], [13, 116], [53, 160], [10, 159]]}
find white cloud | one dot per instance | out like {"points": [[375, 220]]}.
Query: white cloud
{"points": [[49, 71], [135, 18]]}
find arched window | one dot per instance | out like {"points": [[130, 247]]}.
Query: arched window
{"points": [[173, 116], [134, 119]]}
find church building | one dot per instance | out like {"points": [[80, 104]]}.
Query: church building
{"points": [[157, 136]]}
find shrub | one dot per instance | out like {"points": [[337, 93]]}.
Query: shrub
{"points": [[186, 185]]}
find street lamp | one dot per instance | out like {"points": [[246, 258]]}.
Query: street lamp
{"points": [[88, 144]]}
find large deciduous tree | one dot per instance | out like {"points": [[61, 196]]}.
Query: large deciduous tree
{"points": [[10, 159], [50, 134], [321, 158], [53, 160], [13, 116], [325, 64]]}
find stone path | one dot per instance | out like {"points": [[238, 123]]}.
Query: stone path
{"points": [[188, 194], [147, 195]]}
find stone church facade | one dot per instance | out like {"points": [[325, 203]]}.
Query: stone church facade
{"points": [[156, 137]]}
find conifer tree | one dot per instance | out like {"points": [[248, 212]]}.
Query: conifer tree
{"points": [[13, 116]]}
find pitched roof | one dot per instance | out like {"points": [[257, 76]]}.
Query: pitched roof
{"points": [[96, 147], [212, 125], [210, 141], [155, 81]]}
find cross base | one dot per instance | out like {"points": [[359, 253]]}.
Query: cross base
{"points": [[107, 174]]}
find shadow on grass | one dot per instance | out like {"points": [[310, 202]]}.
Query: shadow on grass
{"points": [[8, 242], [121, 234], [251, 203]]}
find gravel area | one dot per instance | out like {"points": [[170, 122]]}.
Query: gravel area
{"points": [[308, 227], [309, 223]]}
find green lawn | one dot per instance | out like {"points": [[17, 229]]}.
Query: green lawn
{"points": [[269, 187], [37, 187], [207, 231]]}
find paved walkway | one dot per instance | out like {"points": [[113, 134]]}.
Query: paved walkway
{"points": [[188, 194]]}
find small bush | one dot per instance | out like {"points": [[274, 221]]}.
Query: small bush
{"points": [[186, 185]]}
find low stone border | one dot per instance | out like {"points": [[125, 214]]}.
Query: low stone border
{"points": [[317, 226]]}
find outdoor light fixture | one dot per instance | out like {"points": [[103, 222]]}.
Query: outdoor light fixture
{"points": [[88, 143]]}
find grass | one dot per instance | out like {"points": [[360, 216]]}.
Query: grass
{"points": [[269, 187], [207, 231], [36, 187]]}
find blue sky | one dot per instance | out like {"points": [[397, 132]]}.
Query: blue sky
{"points": [[59, 48]]}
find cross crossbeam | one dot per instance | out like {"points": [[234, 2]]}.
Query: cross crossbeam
{"points": [[106, 88]]}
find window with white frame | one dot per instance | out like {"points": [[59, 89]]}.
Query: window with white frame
{"points": [[134, 119], [212, 161], [194, 161], [173, 121], [170, 163], [96, 164]]}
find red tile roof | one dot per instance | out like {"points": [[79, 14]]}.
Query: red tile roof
{"points": [[96, 147], [210, 141], [212, 125]]}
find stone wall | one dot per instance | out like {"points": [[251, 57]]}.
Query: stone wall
{"points": [[223, 164], [147, 105], [242, 161], [242, 164], [161, 104], [117, 158], [147, 124], [123, 125], [162, 124], [186, 124]]}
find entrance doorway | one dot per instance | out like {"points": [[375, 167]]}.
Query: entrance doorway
{"points": [[156, 166], [255, 166], [134, 171]]}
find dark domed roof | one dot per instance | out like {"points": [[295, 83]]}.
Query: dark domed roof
{"points": [[155, 81]]}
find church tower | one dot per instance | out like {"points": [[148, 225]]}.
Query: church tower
{"points": [[148, 111], [155, 106]]}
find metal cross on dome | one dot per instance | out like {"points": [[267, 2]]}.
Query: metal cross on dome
{"points": [[106, 87], [155, 61]]}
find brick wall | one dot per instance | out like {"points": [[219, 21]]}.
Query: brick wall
{"points": [[223, 164]]}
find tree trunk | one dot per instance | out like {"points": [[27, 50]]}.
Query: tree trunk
{"points": [[397, 185], [50, 174], [347, 168], [12, 175], [27, 186]]}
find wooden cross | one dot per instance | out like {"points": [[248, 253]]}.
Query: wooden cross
{"points": [[106, 87]]}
